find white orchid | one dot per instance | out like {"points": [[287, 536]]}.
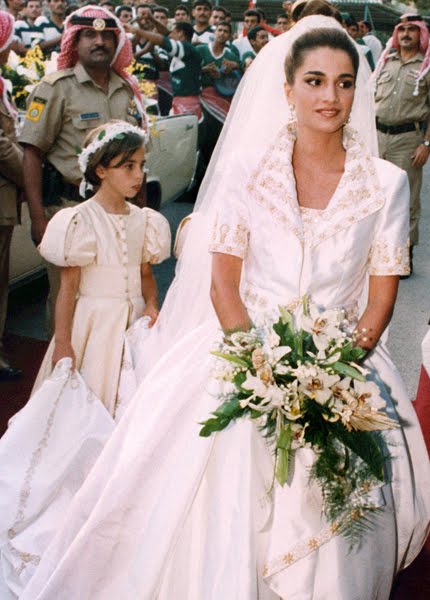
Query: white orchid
{"points": [[281, 369], [279, 353], [292, 407], [359, 406], [317, 384], [299, 436], [256, 386], [272, 338], [324, 327], [275, 396], [242, 340]]}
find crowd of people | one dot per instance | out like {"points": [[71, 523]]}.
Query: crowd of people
{"points": [[311, 204]]}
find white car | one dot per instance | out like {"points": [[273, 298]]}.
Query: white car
{"points": [[171, 161]]}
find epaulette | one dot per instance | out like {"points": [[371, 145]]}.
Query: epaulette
{"points": [[54, 77]]}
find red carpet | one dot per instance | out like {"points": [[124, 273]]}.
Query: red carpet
{"points": [[422, 405], [27, 354]]}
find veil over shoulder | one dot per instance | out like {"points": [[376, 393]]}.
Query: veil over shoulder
{"points": [[258, 112]]}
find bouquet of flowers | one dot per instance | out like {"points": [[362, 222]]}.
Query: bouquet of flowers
{"points": [[148, 88], [26, 72], [300, 379]]}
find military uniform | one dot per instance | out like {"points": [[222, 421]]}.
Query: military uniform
{"points": [[401, 121], [62, 110], [11, 178]]}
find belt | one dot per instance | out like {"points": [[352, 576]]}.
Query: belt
{"points": [[402, 128]]}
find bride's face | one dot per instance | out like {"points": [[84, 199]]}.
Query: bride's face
{"points": [[323, 90]]}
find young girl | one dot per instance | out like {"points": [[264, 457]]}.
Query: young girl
{"points": [[105, 247]]}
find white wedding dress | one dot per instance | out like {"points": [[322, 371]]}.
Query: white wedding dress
{"points": [[166, 514]]}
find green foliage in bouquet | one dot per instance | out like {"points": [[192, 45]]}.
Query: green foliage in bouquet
{"points": [[300, 378]]}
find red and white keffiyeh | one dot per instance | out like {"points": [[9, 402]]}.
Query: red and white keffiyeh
{"points": [[6, 34], [99, 18], [393, 44]]}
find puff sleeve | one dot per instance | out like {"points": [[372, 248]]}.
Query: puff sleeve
{"points": [[231, 227], [157, 239], [69, 240], [389, 254]]}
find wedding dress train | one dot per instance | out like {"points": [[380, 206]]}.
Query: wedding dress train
{"points": [[167, 514]]}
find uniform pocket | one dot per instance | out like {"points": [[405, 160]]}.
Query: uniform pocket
{"points": [[383, 85]]}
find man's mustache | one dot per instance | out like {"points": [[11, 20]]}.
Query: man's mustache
{"points": [[406, 39]]}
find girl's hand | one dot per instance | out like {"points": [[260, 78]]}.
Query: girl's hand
{"points": [[63, 350], [151, 311]]}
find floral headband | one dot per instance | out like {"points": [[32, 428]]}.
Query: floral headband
{"points": [[114, 131]]}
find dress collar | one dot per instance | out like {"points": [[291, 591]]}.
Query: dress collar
{"points": [[272, 185]]}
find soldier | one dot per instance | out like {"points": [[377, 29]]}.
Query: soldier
{"points": [[403, 107], [90, 88], [10, 184]]}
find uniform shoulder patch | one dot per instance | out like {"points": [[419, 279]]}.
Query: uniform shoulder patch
{"points": [[35, 110], [54, 77]]}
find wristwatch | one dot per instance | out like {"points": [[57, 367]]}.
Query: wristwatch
{"points": [[426, 143]]}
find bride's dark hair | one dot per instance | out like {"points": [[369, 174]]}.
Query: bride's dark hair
{"points": [[315, 7], [318, 38]]}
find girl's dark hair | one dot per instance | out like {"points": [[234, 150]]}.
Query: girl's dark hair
{"points": [[122, 148], [318, 38]]}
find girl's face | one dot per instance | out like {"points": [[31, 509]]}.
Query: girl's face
{"points": [[323, 90], [125, 180]]}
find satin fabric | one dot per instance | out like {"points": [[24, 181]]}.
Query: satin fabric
{"points": [[167, 514], [45, 455], [110, 250]]}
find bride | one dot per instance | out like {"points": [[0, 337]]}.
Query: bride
{"points": [[302, 208]]}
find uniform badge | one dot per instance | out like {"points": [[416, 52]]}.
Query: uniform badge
{"points": [[35, 109], [99, 24]]}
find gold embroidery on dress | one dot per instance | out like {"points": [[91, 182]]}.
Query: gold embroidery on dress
{"points": [[27, 557], [223, 231], [310, 544], [388, 259], [230, 242], [240, 236], [272, 186]]}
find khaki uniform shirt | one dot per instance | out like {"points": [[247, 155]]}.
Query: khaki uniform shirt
{"points": [[64, 107], [395, 100], [11, 175]]}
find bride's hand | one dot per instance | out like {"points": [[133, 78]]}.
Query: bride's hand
{"points": [[151, 311]]}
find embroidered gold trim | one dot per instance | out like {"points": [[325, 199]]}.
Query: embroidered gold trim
{"points": [[26, 557], [230, 240], [388, 259], [272, 186]]}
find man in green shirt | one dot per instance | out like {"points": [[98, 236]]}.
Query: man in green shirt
{"points": [[216, 58], [203, 32], [185, 68], [258, 38]]}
